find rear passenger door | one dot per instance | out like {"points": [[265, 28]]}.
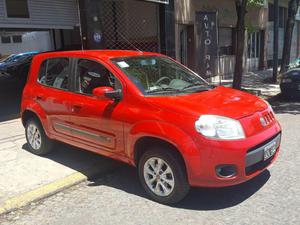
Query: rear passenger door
{"points": [[54, 94]]}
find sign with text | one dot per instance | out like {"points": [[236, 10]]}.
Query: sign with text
{"points": [[206, 29]]}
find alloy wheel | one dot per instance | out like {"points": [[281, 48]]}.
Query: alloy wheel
{"points": [[34, 136], [159, 177]]}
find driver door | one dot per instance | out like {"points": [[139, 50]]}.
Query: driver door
{"points": [[96, 122]]}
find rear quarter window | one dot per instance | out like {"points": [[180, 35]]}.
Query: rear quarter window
{"points": [[54, 73]]}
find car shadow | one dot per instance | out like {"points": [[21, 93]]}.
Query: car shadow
{"points": [[10, 99], [220, 198], [88, 163], [126, 179], [123, 177]]}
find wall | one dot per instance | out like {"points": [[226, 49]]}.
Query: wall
{"points": [[31, 41], [185, 12], [44, 14]]}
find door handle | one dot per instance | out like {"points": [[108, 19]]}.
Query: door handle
{"points": [[76, 107], [39, 98]]}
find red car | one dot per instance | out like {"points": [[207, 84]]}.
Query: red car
{"points": [[147, 110]]}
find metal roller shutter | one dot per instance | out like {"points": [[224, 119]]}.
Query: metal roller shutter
{"points": [[44, 14]]}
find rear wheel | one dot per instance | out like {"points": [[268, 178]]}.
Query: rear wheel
{"points": [[37, 140], [163, 175]]}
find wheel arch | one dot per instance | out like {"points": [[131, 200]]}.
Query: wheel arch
{"points": [[143, 144], [28, 114]]}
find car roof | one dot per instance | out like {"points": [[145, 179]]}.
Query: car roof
{"points": [[26, 53], [102, 54]]}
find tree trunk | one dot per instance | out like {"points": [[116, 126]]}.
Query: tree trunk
{"points": [[240, 45], [288, 36]]}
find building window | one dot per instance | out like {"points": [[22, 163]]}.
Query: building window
{"points": [[17, 8], [282, 15], [17, 38], [5, 39], [254, 44], [271, 12], [225, 41]]}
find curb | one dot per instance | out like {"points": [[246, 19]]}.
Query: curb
{"points": [[50, 189]]}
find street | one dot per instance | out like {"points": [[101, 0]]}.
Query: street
{"points": [[117, 197]]}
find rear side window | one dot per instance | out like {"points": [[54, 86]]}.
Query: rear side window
{"points": [[54, 72]]}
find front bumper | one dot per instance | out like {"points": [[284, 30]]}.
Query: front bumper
{"points": [[255, 157], [245, 155]]}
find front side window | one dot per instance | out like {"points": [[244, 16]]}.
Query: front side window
{"points": [[159, 75], [91, 74], [55, 73]]}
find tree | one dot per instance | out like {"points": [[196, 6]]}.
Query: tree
{"points": [[241, 11], [290, 23]]}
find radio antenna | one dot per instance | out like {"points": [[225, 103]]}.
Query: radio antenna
{"points": [[122, 36]]}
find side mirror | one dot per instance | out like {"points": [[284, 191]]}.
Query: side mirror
{"points": [[107, 93]]}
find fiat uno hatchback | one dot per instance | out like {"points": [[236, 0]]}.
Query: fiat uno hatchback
{"points": [[149, 111]]}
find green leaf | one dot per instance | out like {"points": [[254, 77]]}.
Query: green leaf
{"points": [[255, 3]]}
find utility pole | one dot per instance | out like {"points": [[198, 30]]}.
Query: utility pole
{"points": [[275, 47]]}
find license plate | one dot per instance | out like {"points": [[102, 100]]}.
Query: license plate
{"points": [[270, 150]]}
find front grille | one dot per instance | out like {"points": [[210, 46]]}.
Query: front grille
{"points": [[269, 117]]}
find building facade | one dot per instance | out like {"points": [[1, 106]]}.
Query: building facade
{"points": [[50, 25], [166, 26], [259, 37], [146, 25]]}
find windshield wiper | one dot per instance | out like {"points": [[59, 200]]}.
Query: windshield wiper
{"points": [[203, 88], [165, 89]]}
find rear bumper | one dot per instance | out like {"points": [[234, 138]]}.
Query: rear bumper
{"points": [[236, 153]]}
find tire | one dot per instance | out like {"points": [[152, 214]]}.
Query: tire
{"points": [[33, 132], [176, 187]]}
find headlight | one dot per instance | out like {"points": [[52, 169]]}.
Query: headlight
{"points": [[286, 80], [218, 127]]}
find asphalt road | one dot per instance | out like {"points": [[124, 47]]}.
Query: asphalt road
{"points": [[117, 198]]}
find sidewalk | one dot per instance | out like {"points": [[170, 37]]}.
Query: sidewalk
{"points": [[25, 177], [258, 83]]}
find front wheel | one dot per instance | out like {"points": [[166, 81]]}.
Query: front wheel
{"points": [[163, 175]]}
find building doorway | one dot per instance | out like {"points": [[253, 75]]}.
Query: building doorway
{"points": [[187, 52], [254, 50]]}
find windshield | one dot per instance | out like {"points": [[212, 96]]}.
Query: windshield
{"points": [[155, 75], [9, 58]]}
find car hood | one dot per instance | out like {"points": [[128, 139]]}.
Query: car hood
{"points": [[293, 74], [219, 101]]}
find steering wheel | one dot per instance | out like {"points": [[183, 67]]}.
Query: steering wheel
{"points": [[160, 80]]}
